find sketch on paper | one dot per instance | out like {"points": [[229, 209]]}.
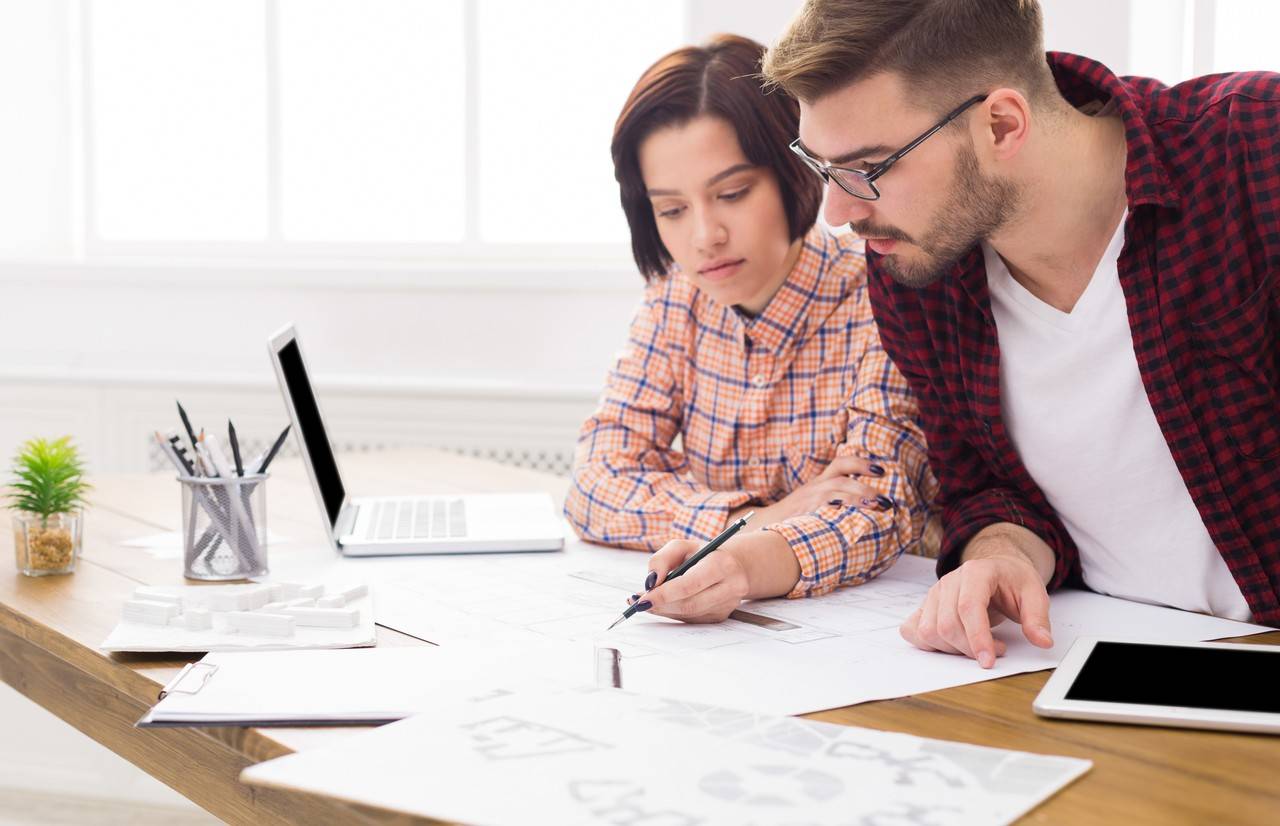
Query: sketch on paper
{"points": [[783, 733], [772, 785], [905, 813], [623, 803], [508, 738], [906, 770]]}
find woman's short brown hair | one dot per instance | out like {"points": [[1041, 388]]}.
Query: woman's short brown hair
{"points": [[720, 79]]}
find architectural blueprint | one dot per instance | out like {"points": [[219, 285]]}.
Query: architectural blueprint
{"points": [[777, 656]]}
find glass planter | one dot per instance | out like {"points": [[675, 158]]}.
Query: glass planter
{"points": [[47, 545]]}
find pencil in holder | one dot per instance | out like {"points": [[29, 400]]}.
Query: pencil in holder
{"points": [[224, 526]]}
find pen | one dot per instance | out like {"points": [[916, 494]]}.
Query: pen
{"points": [[186, 423], [271, 454], [235, 447], [684, 567]]}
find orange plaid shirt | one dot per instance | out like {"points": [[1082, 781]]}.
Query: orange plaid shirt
{"points": [[759, 407]]}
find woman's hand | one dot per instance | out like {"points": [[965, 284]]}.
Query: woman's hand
{"points": [[837, 485], [751, 565]]}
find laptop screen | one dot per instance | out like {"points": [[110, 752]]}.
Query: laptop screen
{"points": [[314, 439]]}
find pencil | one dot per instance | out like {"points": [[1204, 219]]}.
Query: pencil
{"points": [[684, 567]]}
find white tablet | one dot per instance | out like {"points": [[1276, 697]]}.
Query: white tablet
{"points": [[1190, 685]]}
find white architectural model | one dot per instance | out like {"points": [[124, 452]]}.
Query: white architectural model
{"points": [[253, 616]]}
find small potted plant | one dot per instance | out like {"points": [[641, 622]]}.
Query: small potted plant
{"points": [[47, 497]]}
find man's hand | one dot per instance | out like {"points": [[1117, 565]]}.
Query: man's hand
{"points": [[837, 484], [751, 565], [1003, 574]]}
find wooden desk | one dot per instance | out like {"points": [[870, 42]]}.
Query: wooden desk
{"points": [[50, 628]]}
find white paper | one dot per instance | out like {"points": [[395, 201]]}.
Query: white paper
{"points": [[798, 656], [137, 636], [601, 756]]}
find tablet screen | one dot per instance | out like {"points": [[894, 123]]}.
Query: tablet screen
{"points": [[1169, 675]]}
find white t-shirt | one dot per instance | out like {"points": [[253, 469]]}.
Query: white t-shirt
{"points": [[1075, 406]]}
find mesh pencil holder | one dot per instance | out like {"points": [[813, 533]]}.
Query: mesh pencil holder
{"points": [[224, 526]]}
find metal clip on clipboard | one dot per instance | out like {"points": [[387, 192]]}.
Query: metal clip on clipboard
{"points": [[172, 687]]}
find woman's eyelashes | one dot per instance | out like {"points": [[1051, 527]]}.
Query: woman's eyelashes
{"points": [[670, 212], [675, 210]]}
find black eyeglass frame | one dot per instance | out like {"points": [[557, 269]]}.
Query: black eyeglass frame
{"points": [[826, 171]]}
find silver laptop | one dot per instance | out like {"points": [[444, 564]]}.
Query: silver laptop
{"points": [[404, 524]]}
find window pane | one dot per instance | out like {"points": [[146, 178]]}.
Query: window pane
{"points": [[1244, 36], [33, 128], [1074, 27], [553, 77], [1157, 45], [372, 120], [178, 119]]}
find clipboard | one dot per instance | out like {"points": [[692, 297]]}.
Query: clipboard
{"points": [[360, 686], [176, 685], [350, 686]]}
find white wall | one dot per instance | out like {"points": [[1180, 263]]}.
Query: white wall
{"points": [[103, 354], [99, 351]]}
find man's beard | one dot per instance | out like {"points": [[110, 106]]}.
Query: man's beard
{"points": [[975, 208]]}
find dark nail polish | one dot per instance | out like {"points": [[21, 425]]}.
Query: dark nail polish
{"points": [[884, 502], [644, 606], [635, 597], [836, 502], [876, 470], [651, 580]]}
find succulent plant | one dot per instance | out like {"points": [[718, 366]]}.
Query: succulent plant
{"points": [[48, 478]]}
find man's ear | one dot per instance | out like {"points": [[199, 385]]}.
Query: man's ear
{"points": [[1002, 124]]}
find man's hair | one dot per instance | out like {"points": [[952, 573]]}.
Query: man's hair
{"points": [[719, 79], [945, 50]]}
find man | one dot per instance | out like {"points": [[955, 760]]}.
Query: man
{"points": [[1077, 274]]}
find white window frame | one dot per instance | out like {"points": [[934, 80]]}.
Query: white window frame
{"points": [[471, 264], [471, 261]]}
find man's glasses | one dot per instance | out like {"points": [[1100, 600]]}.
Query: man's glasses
{"points": [[860, 183]]}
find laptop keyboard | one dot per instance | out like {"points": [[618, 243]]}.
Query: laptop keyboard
{"points": [[432, 518]]}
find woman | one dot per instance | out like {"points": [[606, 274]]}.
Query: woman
{"points": [[755, 348]]}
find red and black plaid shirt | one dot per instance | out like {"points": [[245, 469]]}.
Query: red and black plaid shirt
{"points": [[1199, 271]]}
